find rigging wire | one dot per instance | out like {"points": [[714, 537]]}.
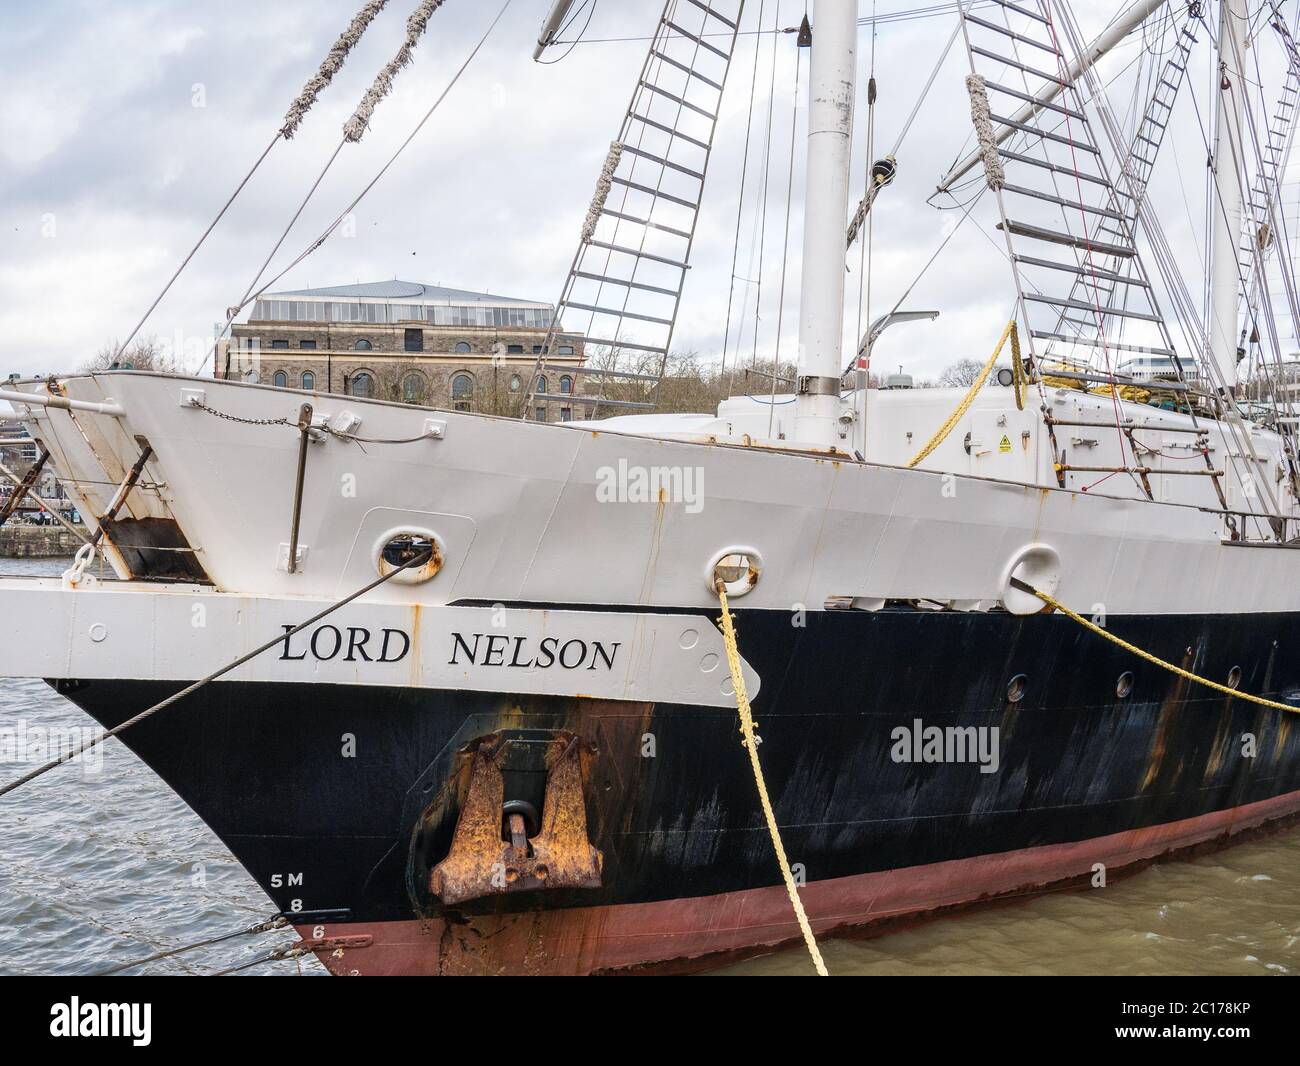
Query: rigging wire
{"points": [[740, 203], [338, 220], [785, 254]]}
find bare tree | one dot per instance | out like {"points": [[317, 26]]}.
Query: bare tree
{"points": [[144, 353], [961, 375]]}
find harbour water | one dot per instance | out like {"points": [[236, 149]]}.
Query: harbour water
{"points": [[102, 863]]}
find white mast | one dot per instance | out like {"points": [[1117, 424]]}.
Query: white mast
{"points": [[1227, 200], [832, 84]]}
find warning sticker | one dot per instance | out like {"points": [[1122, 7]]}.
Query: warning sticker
{"points": [[1004, 445]]}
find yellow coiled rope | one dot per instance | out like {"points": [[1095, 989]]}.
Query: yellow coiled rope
{"points": [[1017, 371], [751, 744], [1092, 626]]}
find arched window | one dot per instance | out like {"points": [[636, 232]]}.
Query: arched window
{"points": [[308, 379], [414, 388], [362, 384], [462, 348], [363, 345], [280, 380], [462, 392], [541, 384], [566, 383]]}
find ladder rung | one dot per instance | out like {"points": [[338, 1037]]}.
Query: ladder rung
{"points": [[690, 72], [1073, 268], [645, 222], [615, 313], [1092, 342], [1076, 305], [679, 100], [1010, 33], [1023, 229], [1172, 85], [1081, 146], [593, 371], [603, 278], [589, 341], [656, 192], [1105, 212], [642, 255], [1023, 11], [709, 11], [1019, 66], [1053, 167], [698, 40], [670, 131], [1034, 100], [664, 162]]}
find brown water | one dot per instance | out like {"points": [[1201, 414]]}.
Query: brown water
{"points": [[1235, 912]]}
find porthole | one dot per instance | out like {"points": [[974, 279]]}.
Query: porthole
{"points": [[399, 546], [1234, 677], [737, 568], [1124, 686], [1016, 688]]}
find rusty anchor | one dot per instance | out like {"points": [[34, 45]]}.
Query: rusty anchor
{"points": [[559, 854]]}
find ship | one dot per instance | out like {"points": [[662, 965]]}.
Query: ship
{"points": [[1001, 639]]}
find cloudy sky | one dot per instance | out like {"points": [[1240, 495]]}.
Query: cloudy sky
{"points": [[127, 123]]}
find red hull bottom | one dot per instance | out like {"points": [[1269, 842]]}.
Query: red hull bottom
{"points": [[691, 933]]}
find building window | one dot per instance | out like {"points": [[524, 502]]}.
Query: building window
{"points": [[413, 388], [566, 383], [566, 414], [514, 349], [414, 340], [280, 380], [462, 392], [565, 349], [541, 414], [362, 384], [363, 345], [541, 384], [515, 382], [279, 344], [306, 344], [462, 348], [537, 349], [308, 379]]}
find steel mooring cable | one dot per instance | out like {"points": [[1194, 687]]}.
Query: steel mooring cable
{"points": [[278, 922]]}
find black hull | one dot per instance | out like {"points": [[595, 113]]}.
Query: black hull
{"points": [[355, 837]]}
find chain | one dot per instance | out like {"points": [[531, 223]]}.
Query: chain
{"points": [[244, 421]]}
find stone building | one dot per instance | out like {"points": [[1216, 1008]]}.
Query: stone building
{"points": [[405, 341]]}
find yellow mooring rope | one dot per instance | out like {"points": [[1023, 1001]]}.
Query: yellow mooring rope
{"points": [[1088, 624], [751, 743], [969, 398]]}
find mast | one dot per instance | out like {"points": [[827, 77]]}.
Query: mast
{"points": [[832, 84], [1228, 146]]}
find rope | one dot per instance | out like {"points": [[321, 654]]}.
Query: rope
{"points": [[751, 743], [603, 185], [356, 126], [980, 117], [278, 922], [418, 560], [1088, 624], [329, 66], [969, 398]]}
